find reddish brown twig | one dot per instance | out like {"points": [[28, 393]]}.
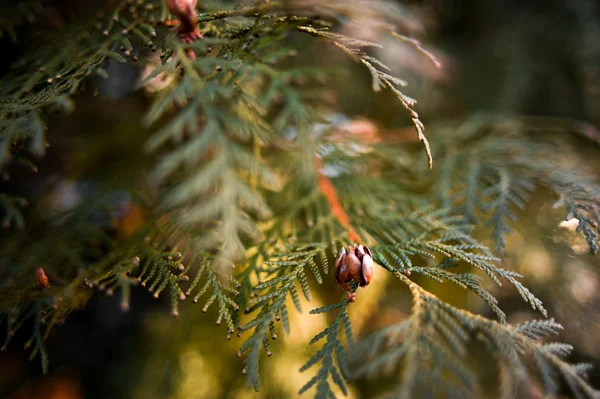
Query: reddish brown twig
{"points": [[330, 194], [41, 278], [169, 23]]}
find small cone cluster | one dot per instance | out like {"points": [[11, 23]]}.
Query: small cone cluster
{"points": [[354, 264], [185, 11]]}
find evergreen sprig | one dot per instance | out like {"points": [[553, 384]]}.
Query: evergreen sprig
{"points": [[48, 78], [437, 338], [241, 137], [379, 73], [270, 297], [497, 172], [16, 317], [332, 346], [428, 234], [223, 289], [218, 181]]}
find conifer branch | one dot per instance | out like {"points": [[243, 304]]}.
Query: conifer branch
{"points": [[332, 346], [429, 234], [499, 172], [16, 317], [239, 129], [270, 300], [49, 77], [379, 74], [222, 291], [434, 342]]}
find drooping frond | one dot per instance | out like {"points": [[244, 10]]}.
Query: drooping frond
{"points": [[218, 189], [156, 266], [17, 316], [504, 161], [153, 257], [164, 260], [289, 272], [581, 198], [435, 342], [222, 290], [69, 55], [331, 351], [437, 235], [379, 73]]}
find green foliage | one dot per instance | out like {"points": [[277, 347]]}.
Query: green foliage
{"points": [[46, 78], [16, 318], [499, 165], [164, 259], [221, 292], [251, 177], [75, 238], [325, 354], [427, 233], [269, 300], [218, 181], [435, 343], [379, 73]]}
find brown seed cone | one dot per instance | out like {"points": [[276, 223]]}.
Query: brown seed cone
{"points": [[367, 270], [341, 275], [185, 11], [354, 265]]}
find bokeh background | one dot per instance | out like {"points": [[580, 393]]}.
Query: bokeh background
{"points": [[505, 57]]}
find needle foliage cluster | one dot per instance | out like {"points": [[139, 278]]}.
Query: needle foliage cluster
{"points": [[253, 192]]}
